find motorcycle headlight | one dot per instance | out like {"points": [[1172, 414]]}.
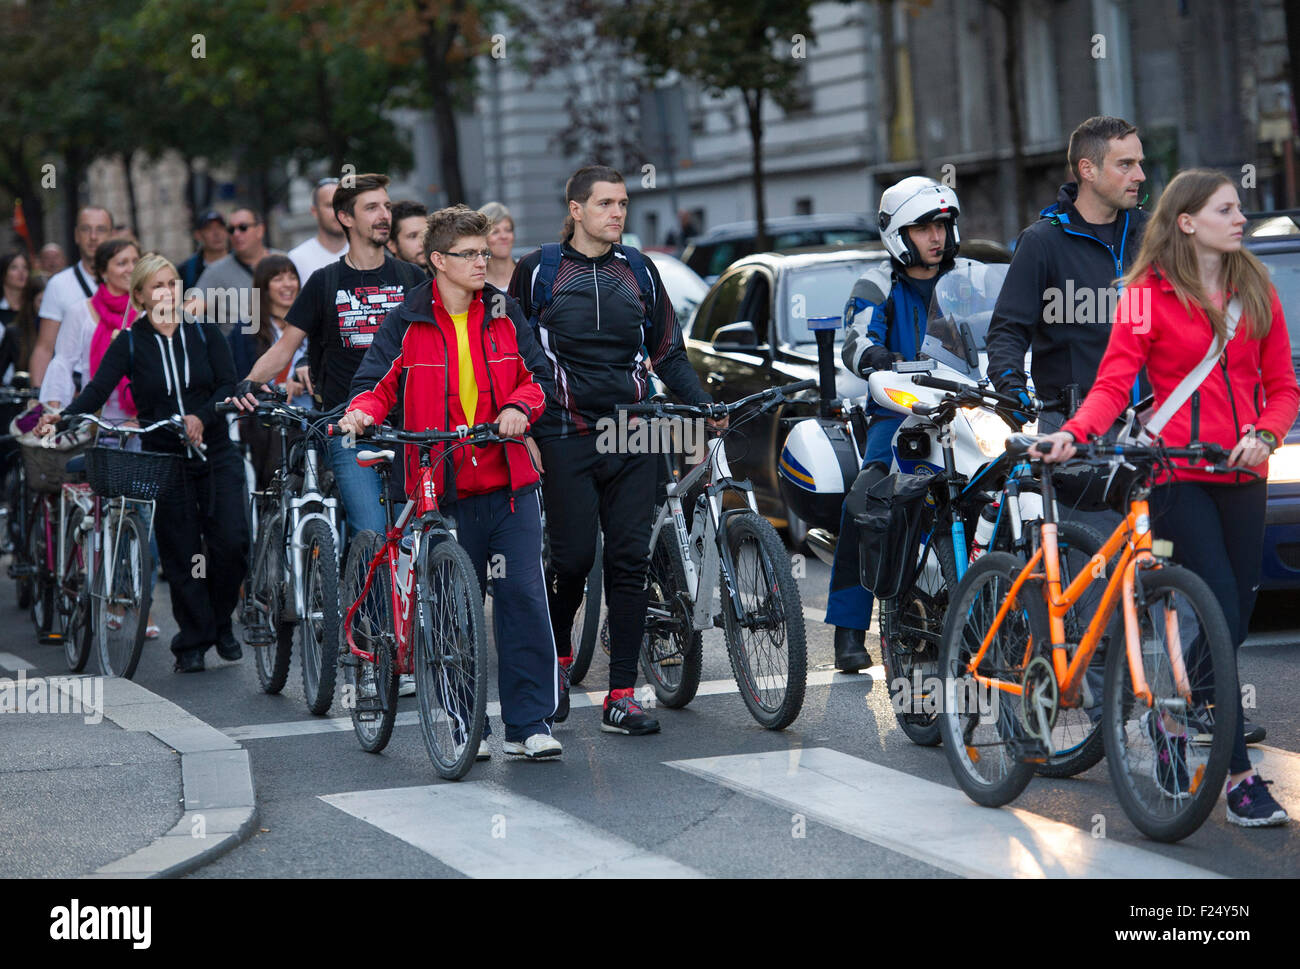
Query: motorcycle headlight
{"points": [[990, 430], [1284, 465]]}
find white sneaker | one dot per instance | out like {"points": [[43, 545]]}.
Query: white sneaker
{"points": [[538, 745], [484, 751], [406, 685]]}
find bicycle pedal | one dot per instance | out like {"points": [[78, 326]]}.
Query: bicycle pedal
{"points": [[1028, 750], [50, 639], [368, 709]]}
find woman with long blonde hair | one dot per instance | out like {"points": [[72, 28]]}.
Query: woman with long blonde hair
{"points": [[1195, 290]]}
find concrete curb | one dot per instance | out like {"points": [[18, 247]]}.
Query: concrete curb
{"points": [[216, 784]]}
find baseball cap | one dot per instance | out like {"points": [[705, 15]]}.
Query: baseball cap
{"points": [[211, 215]]}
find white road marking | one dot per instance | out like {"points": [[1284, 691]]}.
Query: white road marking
{"points": [[486, 831], [302, 728], [943, 827], [11, 662]]}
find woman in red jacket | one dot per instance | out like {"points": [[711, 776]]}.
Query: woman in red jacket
{"points": [[457, 352], [1182, 295]]}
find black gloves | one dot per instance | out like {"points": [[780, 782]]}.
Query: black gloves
{"points": [[875, 357]]}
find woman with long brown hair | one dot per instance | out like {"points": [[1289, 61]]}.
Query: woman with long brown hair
{"points": [[1194, 290]]}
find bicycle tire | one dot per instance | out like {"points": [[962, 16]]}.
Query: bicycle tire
{"points": [[584, 637], [928, 604], [1082, 737], [42, 608], [318, 632], [672, 663], [372, 629], [974, 605], [775, 595], [1139, 787], [451, 667], [70, 600], [270, 638], [120, 654]]}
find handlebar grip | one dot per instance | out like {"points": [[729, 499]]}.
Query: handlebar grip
{"points": [[223, 408], [938, 383], [796, 387], [923, 410], [62, 424]]}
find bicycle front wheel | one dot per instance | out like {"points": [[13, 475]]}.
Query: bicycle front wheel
{"points": [[981, 727], [1166, 785], [766, 640], [319, 627], [450, 658], [260, 609], [124, 595], [370, 688], [586, 622]]}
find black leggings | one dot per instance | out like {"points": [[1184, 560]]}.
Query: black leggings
{"points": [[585, 490], [1218, 533]]}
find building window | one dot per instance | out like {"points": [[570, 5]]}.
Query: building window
{"points": [[1114, 71], [651, 229], [803, 206]]}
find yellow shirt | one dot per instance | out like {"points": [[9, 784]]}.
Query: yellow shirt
{"points": [[468, 385]]}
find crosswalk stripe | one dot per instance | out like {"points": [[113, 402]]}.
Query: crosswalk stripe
{"points": [[11, 662], [302, 728], [930, 822], [485, 831]]}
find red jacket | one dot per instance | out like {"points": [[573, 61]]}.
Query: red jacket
{"points": [[1257, 386], [414, 358]]}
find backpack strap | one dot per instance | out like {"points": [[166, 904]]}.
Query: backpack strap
{"points": [[544, 281], [637, 261]]}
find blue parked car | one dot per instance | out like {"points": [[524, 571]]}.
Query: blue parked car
{"points": [[1275, 238]]}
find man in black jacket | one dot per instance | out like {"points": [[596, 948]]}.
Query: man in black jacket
{"points": [[601, 333], [1061, 287]]}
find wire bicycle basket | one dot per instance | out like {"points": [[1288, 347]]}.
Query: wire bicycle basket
{"points": [[140, 475]]}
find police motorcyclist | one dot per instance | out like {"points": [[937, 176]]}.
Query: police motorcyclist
{"points": [[885, 318]]}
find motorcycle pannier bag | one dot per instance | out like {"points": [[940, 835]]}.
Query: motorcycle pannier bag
{"points": [[891, 514]]}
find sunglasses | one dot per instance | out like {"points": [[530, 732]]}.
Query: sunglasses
{"points": [[243, 226]]}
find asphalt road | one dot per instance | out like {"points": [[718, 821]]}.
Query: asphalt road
{"points": [[841, 792]]}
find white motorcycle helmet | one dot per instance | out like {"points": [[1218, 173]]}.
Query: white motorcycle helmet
{"points": [[915, 201]]}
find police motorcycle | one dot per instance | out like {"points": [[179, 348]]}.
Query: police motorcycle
{"points": [[950, 491]]}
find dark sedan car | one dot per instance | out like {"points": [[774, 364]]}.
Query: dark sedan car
{"points": [[751, 333], [1275, 239]]}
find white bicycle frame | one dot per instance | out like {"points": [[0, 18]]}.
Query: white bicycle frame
{"points": [[701, 576], [297, 520]]}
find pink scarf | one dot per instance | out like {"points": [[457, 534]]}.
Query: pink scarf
{"points": [[111, 311]]}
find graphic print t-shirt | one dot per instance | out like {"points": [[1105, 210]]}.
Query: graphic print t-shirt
{"points": [[341, 323]]}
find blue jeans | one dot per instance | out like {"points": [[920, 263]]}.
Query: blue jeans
{"points": [[359, 487]]}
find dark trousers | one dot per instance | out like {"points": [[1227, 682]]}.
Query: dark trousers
{"points": [[1218, 533], [506, 544], [585, 489], [204, 508]]}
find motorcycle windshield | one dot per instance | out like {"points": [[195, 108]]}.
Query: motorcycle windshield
{"points": [[966, 294]]}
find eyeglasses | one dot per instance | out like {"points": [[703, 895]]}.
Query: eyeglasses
{"points": [[243, 226], [471, 255]]}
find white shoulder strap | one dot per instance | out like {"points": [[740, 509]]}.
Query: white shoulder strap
{"points": [[1188, 385]]}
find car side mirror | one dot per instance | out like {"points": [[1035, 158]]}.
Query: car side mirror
{"points": [[735, 336]]}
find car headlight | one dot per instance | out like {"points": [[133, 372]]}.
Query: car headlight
{"points": [[991, 431], [1284, 465]]}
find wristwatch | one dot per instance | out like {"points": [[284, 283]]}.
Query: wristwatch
{"points": [[1269, 439]]}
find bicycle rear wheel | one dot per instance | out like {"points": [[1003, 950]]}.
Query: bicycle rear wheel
{"points": [[1077, 740], [123, 604], [981, 728], [319, 629], [42, 610], [71, 597], [766, 643], [911, 655], [261, 604], [1167, 786], [450, 658], [371, 688], [671, 652]]}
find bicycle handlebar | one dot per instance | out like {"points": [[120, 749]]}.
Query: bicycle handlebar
{"points": [[1094, 452], [772, 394], [173, 423], [478, 434]]}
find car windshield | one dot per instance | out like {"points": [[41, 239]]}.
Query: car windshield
{"points": [[967, 295], [820, 290], [1284, 267]]}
